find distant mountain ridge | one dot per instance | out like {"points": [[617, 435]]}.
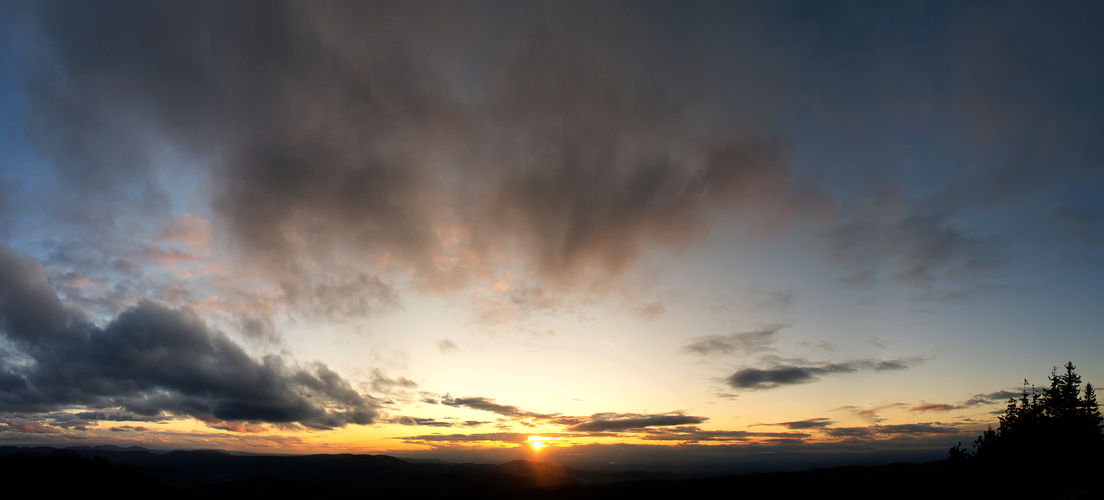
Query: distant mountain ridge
{"points": [[213, 470], [220, 474]]}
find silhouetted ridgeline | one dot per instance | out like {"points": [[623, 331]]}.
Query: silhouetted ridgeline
{"points": [[207, 474]]}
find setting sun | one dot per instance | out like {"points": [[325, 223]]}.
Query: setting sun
{"points": [[538, 442], [682, 238]]}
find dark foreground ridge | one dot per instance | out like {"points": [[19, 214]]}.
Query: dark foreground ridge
{"points": [[220, 474]]}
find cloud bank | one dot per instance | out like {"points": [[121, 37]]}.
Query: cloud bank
{"points": [[151, 361], [335, 134]]}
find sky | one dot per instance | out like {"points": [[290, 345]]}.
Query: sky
{"points": [[564, 231]]}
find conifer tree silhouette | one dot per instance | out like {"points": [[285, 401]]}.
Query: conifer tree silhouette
{"points": [[1059, 421]]}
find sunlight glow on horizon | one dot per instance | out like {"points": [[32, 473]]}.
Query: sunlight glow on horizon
{"points": [[565, 230], [538, 442]]}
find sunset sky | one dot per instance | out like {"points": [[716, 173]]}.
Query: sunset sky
{"points": [[638, 229]]}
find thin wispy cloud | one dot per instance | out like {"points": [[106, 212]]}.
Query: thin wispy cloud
{"points": [[621, 422], [749, 342]]}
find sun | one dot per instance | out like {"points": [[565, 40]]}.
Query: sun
{"points": [[538, 442]]}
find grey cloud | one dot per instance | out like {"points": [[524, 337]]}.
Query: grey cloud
{"points": [[782, 375], [992, 397], [528, 299], [14, 424], [340, 135], [446, 346], [30, 311], [851, 432], [694, 434], [754, 378], [916, 250], [977, 399], [599, 422], [415, 421], [821, 346], [1082, 228], [938, 407], [922, 428], [811, 423], [574, 212], [76, 424], [650, 311], [336, 298], [872, 412], [930, 428], [432, 422], [258, 328], [382, 383], [744, 342], [966, 292], [606, 422], [240, 427], [489, 405], [892, 364], [502, 437], [118, 416], [151, 360], [777, 301], [337, 132]]}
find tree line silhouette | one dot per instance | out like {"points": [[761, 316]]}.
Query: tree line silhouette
{"points": [[1057, 427]]}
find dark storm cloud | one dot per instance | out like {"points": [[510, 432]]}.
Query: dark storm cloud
{"points": [[782, 375], [360, 131], [151, 360], [76, 424], [607, 422], [117, 416], [744, 342]]}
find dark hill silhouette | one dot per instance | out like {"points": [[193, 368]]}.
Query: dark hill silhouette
{"points": [[64, 475], [215, 474]]}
